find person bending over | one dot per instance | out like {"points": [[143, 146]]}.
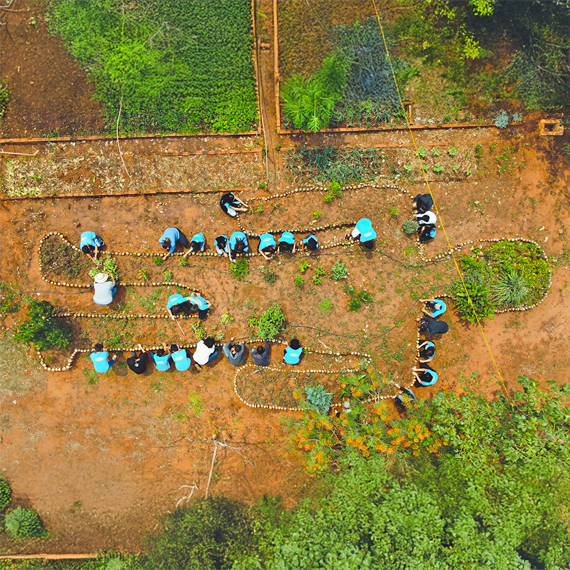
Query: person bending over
{"points": [[90, 243], [170, 238], [100, 359], [198, 305], [423, 202], [292, 354], [238, 245], [232, 205], [426, 351], [205, 352], [364, 232], [432, 325], [426, 219], [434, 307], [310, 243], [181, 360], [177, 305], [197, 243], [260, 354], [425, 375], [161, 358], [426, 232], [267, 245], [222, 244], [234, 352], [287, 243], [104, 289], [138, 363]]}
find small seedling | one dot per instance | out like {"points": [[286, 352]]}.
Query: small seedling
{"points": [[298, 281], [438, 168], [158, 260], [339, 271], [435, 151], [240, 269], [316, 280], [142, 274], [270, 277], [394, 212], [303, 266], [478, 151], [316, 214], [421, 152], [320, 271], [168, 275], [182, 261], [407, 168], [452, 151], [325, 305]]}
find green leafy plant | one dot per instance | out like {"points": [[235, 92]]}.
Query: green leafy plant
{"points": [[24, 523], [303, 266], [510, 289], [198, 330], [5, 494], [142, 274], [410, 227], [478, 151], [339, 271], [320, 271], [168, 274], [316, 214], [271, 322], [316, 280], [269, 276], [158, 260], [299, 280], [240, 269], [438, 168], [325, 305], [452, 151], [474, 300], [422, 152], [354, 303], [182, 261], [317, 397], [43, 329], [105, 265], [334, 191], [502, 119], [4, 98], [226, 319], [435, 151]]}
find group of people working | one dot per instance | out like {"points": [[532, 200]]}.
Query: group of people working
{"points": [[205, 352], [423, 203]]}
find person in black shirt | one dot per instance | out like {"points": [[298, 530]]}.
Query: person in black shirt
{"points": [[433, 326], [423, 202], [426, 232], [231, 205], [138, 363]]}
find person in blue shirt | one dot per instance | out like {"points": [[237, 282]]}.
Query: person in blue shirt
{"points": [[287, 243], [198, 305], [222, 243], [161, 358], [406, 398], [170, 238], [104, 289], [181, 359], [364, 232], [425, 375], [426, 351], [231, 205], [197, 243], [177, 305], [310, 243], [426, 232], [99, 358], [238, 244], [90, 243], [267, 245], [434, 307], [292, 354]]}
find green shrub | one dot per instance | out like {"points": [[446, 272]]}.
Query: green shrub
{"points": [[240, 269], [158, 260], [23, 523], [168, 275], [354, 304], [5, 494], [43, 329], [334, 191], [502, 120], [4, 98], [510, 289], [339, 271], [106, 265], [410, 227], [325, 305], [271, 322], [476, 288], [299, 280], [318, 398]]}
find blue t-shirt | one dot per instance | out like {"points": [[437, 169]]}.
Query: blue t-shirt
{"points": [[266, 240], [171, 234], [175, 299], [220, 244], [428, 345], [311, 237], [433, 375], [162, 362], [234, 239], [287, 237], [100, 361], [200, 301], [199, 238], [90, 238], [292, 356], [364, 226], [181, 360], [438, 312]]}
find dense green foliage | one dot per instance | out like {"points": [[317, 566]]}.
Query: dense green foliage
{"points": [[339, 271], [4, 98], [318, 398], [175, 65], [472, 297], [271, 322], [5, 494], [23, 523], [240, 269], [43, 329], [510, 289], [410, 227]]}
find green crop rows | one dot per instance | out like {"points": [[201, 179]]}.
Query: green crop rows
{"points": [[176, 65]]}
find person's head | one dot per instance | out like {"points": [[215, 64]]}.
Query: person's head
{"points": [[284, 246], [176, 309], [269, 250], [98, 347], [221, 241], [87, 249], [193, 309], [209, 342], [294, 344], [437, 306], [195, 246], [368, 244], [166, 244], [240, 245], [424, 324], [312, 244], [260, 350], [101, 278], [237, 348], [174, 348], [160, 352], [430, 351]]}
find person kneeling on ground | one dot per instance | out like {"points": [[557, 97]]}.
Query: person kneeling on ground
{"points": [[138, 363], [169, 239], [364, 232], [426, 351], [222, 245], [234, 353], [425, 375], [181, 360], [260, 354], [310, 243], [292, 354], [434, 307], [432, 325], [205, 352], [161, 358], [287, 243], [104, 289], [426, 232], [426, 219], [99, 358], [198, 305], [267, 245], [423, 202], [238, 245], [232, 205], [177, 305], [90, 243], [197, 243]]}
